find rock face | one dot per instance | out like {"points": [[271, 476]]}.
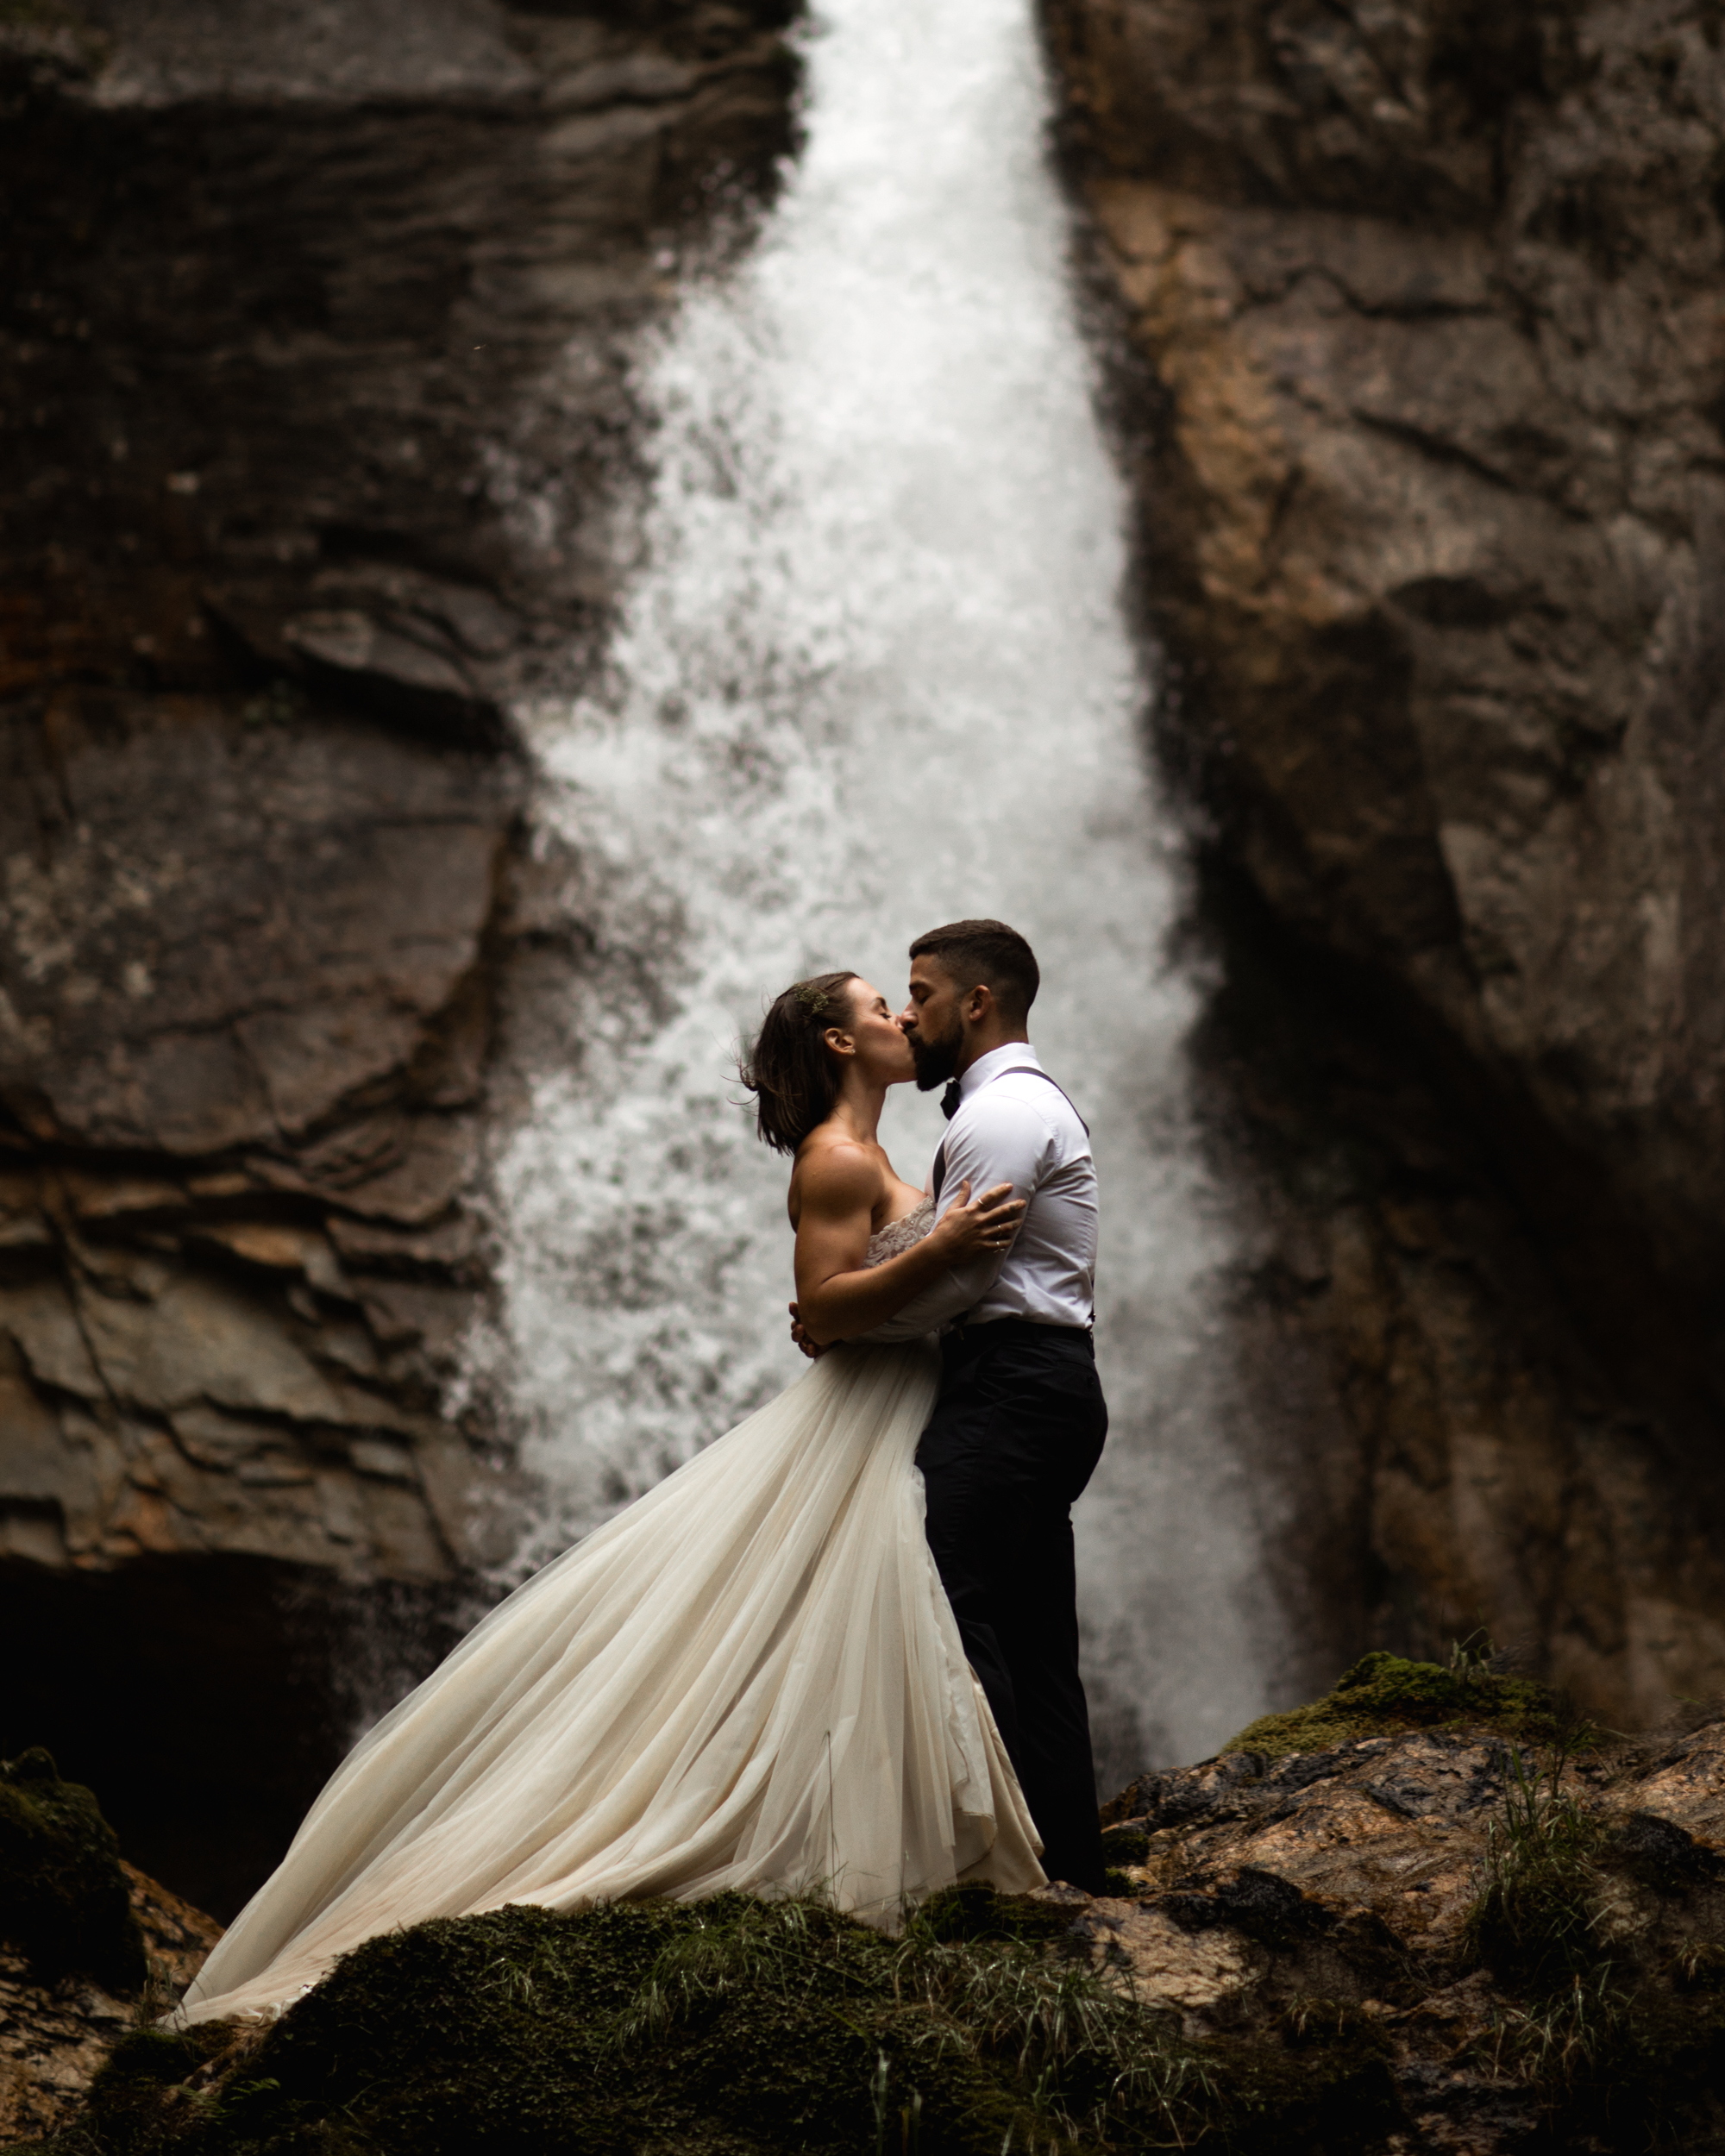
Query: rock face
{"points": [[313, 359], [1323, 1892], [248, 1024], [315, 450], [1423, 302], [55, 2037]]}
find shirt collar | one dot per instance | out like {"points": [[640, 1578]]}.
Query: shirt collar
{"points": [[1014, 1056]]}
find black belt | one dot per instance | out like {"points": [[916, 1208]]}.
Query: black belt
{"points": [[996, 1332]]}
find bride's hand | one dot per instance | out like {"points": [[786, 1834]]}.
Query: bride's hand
{"points": [[978, 1227], [811, 1348]]}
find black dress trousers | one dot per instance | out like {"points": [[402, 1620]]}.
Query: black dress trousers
{"points": [[1015, 1435]]}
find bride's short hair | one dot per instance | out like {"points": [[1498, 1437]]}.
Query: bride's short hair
{"points": [[787, 1068]]}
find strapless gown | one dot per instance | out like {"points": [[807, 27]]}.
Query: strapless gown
{"points": [[750, 1678]]}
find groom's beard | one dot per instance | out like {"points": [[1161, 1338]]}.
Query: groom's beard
{"points": [[936, 1061]]}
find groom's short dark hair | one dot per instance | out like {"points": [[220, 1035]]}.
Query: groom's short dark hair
{"points": [[986, 953]]}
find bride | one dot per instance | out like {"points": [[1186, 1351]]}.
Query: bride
{"points": [[751, 1677]]}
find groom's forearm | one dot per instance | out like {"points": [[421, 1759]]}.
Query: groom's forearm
{"points": [[946, 1297]]}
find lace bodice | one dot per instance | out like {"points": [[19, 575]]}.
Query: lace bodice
{"points": [[898, 1236]]}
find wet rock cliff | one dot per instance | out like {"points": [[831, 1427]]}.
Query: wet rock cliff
{"points": [[1423, 386], [317, 444]]}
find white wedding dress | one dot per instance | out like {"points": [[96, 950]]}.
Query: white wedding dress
{"points": [[750, 1678]]}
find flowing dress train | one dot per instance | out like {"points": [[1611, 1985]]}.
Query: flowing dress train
{"points": [[750, 1677]]}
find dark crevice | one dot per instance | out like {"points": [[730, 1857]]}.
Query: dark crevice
{"points": [[208, 1699]]}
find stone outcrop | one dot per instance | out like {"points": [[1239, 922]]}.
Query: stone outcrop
{"points": [[316, 448], [1329, 1895], [1423, 392], [55, 2036], [88, 1946]]}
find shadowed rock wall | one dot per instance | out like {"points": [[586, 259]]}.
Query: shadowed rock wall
{"points": [[1427, 358], [316, 449]]}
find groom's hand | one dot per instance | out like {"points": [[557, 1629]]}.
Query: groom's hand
{"points": [[813, 1349], [978, 1227]]}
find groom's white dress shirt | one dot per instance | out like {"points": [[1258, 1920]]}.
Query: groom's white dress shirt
{"points": [[1012, 1126]]}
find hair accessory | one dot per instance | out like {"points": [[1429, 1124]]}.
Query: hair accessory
{"points": [[812, 1000]]}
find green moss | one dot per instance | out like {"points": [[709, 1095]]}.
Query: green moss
{"points": [[736, 2028], [975, 1915], [64, 1901], [140, 2094], [744, 2027], [1382, 1693]]}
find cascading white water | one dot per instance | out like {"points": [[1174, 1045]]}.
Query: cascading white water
{"points": [[872, 675]]}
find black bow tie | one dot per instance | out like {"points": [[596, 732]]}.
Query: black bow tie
{"points": [[949, 1100]]}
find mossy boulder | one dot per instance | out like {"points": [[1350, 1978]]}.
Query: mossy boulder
{"points": [[735, 2028], [1382, 1693], [64, 1899]]}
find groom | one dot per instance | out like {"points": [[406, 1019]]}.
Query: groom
{"points": [[1019, 1425]]}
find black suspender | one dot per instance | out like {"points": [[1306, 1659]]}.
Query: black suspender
{"points": [[1028, 1070]]}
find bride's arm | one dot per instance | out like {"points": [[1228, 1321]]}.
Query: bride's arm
{"points": [[838, 1295]]}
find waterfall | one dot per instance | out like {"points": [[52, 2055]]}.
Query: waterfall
{"points": [[871, 675]]}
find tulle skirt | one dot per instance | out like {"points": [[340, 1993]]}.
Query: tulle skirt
{"points": [[750, 1678]]}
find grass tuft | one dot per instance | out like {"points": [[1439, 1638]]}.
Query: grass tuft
{"points": [[1535, 1922], [1699, 1965], [1561, 2039]]}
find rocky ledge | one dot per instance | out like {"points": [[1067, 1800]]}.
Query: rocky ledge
{"points": [[1492, 1946], [1428, 1914]]}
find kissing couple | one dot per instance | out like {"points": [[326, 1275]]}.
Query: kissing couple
{"points": [[837, 1651]]}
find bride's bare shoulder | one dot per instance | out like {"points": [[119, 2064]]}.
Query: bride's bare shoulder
{"points": [[834, 1173]]}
